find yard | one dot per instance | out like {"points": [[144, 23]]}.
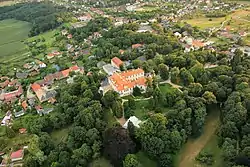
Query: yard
{"points": [[12, 34]]}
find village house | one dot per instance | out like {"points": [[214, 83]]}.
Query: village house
{"points": [[85, 18], [116, 62], [136, 46], [21, 75], [54, 54], [126, 81], [17, 155], [109, 69]]}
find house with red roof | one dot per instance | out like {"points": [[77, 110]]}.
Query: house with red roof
{"points": [[135, 46], [22, 130], [116, 62], [126, 81], [17, 155], [25, 105]]}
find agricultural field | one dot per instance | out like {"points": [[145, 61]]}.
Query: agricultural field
{"points": [[204, 22], [13, 33], [6, 3]]}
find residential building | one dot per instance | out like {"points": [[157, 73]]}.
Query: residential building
{"points": [[109, 69], [116, 62], [126, 81], [135, 46], [19, 113], [17, 155]]}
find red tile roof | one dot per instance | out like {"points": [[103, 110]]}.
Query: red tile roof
{"points": [[24, 105], [22, 130], [38, 107], [16, 155], [137, 46], [35, 87], [197, 43], [122, 81], [117, 61]]}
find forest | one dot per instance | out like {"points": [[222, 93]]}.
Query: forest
{"points": [[43, 16]]}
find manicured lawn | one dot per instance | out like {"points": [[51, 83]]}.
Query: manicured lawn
{"points": [[12, 34], [142, 110], [60, 135], [101, 162], [144, 160], [166, 88]]}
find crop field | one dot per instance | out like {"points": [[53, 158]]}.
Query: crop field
{"points": [[6, 3], [12, 34]]}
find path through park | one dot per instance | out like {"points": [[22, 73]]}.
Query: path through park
{"points": [[194, 146]]}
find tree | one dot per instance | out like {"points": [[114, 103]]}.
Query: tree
{"points": [[164, 73], [206, 158], [82, 156], [117, 144], [9, 132], [45, 143], [136, 91], [209, 97], [186, 77], [131, 161], [117, 109], [109, 98], [195, 89]]}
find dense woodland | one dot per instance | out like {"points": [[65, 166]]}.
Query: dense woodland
{"points": [[43, 16]]}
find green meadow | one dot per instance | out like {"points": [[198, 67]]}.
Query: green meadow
{"points": [[12, 35]]}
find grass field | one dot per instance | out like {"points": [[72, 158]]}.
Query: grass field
{"points": [[142, 110], [144, 160], [203, 22], [191, 149], [6, 3], [101, 162], [12, 34], [166, 88], [60, 135]]}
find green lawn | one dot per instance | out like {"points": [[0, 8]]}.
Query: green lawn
{"points": [[203, 22], [142, 110], [60, 135], [144, 160], [101, 162], [166, 88], [12, 34]]}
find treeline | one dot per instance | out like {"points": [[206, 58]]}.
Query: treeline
{"points": [[43, 16], [235, 129], [216, 14]]}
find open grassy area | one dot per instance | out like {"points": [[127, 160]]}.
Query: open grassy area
{"points": [[203, 22], [101, 162], [166, 88], [142, 110], [144, 160], [12, 34], [191, 149], [6, 3], [212, 147], [60, 135]]}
